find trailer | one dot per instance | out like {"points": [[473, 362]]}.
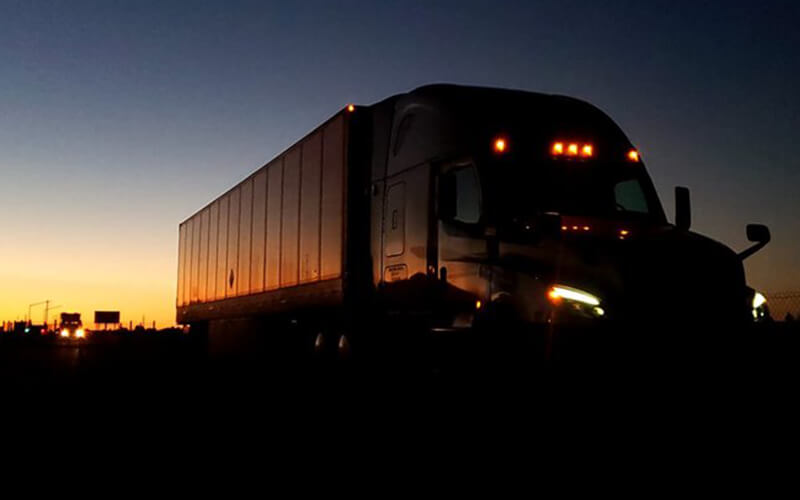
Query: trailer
{"points": [[451, 212]]}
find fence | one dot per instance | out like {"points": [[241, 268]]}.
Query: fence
{"points": [[784, 306]]}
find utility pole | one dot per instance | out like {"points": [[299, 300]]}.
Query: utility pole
{"points": [[47, 309], [33, 305]]}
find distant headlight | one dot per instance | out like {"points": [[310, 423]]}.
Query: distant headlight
{"points": [[760, 309], [80, 333], [65, 333], [581, 300]]}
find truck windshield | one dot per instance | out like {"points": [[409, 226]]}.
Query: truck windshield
{"points": [[610, 191]]}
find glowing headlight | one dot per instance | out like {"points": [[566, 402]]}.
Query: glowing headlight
{"points": [[65, 333], [582, 302], [558, 292], [759, 300], [759, 306], [80, 333]]}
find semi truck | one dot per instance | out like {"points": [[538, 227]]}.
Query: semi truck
{"points": [[71, 326], [449, 213]]}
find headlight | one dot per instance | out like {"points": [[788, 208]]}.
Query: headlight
{"points": [[65, 333], [80, 333], [580, 300], [760, 309]]}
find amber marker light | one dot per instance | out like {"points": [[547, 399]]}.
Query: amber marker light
{"points": [[478, 304], [633, 155], [351, 108], [587, 151], [558, 148], [572, 150], [554, 296], [500, 145]]}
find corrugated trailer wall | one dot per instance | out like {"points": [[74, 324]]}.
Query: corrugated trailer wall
{"points": [[279, 228]]}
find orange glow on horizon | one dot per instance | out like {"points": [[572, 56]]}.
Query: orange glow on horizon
{"points": [[137, 279]]}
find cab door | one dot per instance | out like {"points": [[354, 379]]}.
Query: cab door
{"points": [[462, 249], [405, 243]]}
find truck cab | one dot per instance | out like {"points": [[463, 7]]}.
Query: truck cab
{"points": [[71, 326], [515, 206]]}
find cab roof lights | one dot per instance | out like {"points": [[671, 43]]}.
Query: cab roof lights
{"points": [[633, 155], [572, 149]]}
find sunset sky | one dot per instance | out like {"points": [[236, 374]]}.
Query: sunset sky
{"points": [[120, 119]]}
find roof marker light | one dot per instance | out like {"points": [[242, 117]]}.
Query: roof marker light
{"points": [[500, 145], [351, 108], [587, 150], [558, 148], [633, 155], [572, 150]]}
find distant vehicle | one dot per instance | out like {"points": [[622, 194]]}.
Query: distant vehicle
{"points": [[29, 329], [451, 211], [71, 326]]}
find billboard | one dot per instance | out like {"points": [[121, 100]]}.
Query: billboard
{"points": [[106, 317]]}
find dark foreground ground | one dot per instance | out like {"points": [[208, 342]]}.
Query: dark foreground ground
{"points": [[160, 386], [172, 362]]}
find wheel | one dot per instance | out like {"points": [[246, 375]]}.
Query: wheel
{"points": [[343, 351]]}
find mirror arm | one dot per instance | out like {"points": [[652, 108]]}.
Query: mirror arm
{"points": [[753, 249]]}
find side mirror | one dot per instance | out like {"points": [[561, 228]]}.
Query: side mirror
{"points": [[447, 197], [683, 208], [758, 234]]}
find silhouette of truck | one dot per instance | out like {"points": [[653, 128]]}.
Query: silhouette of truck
{"points": [[451, 211], [71, 326]]}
